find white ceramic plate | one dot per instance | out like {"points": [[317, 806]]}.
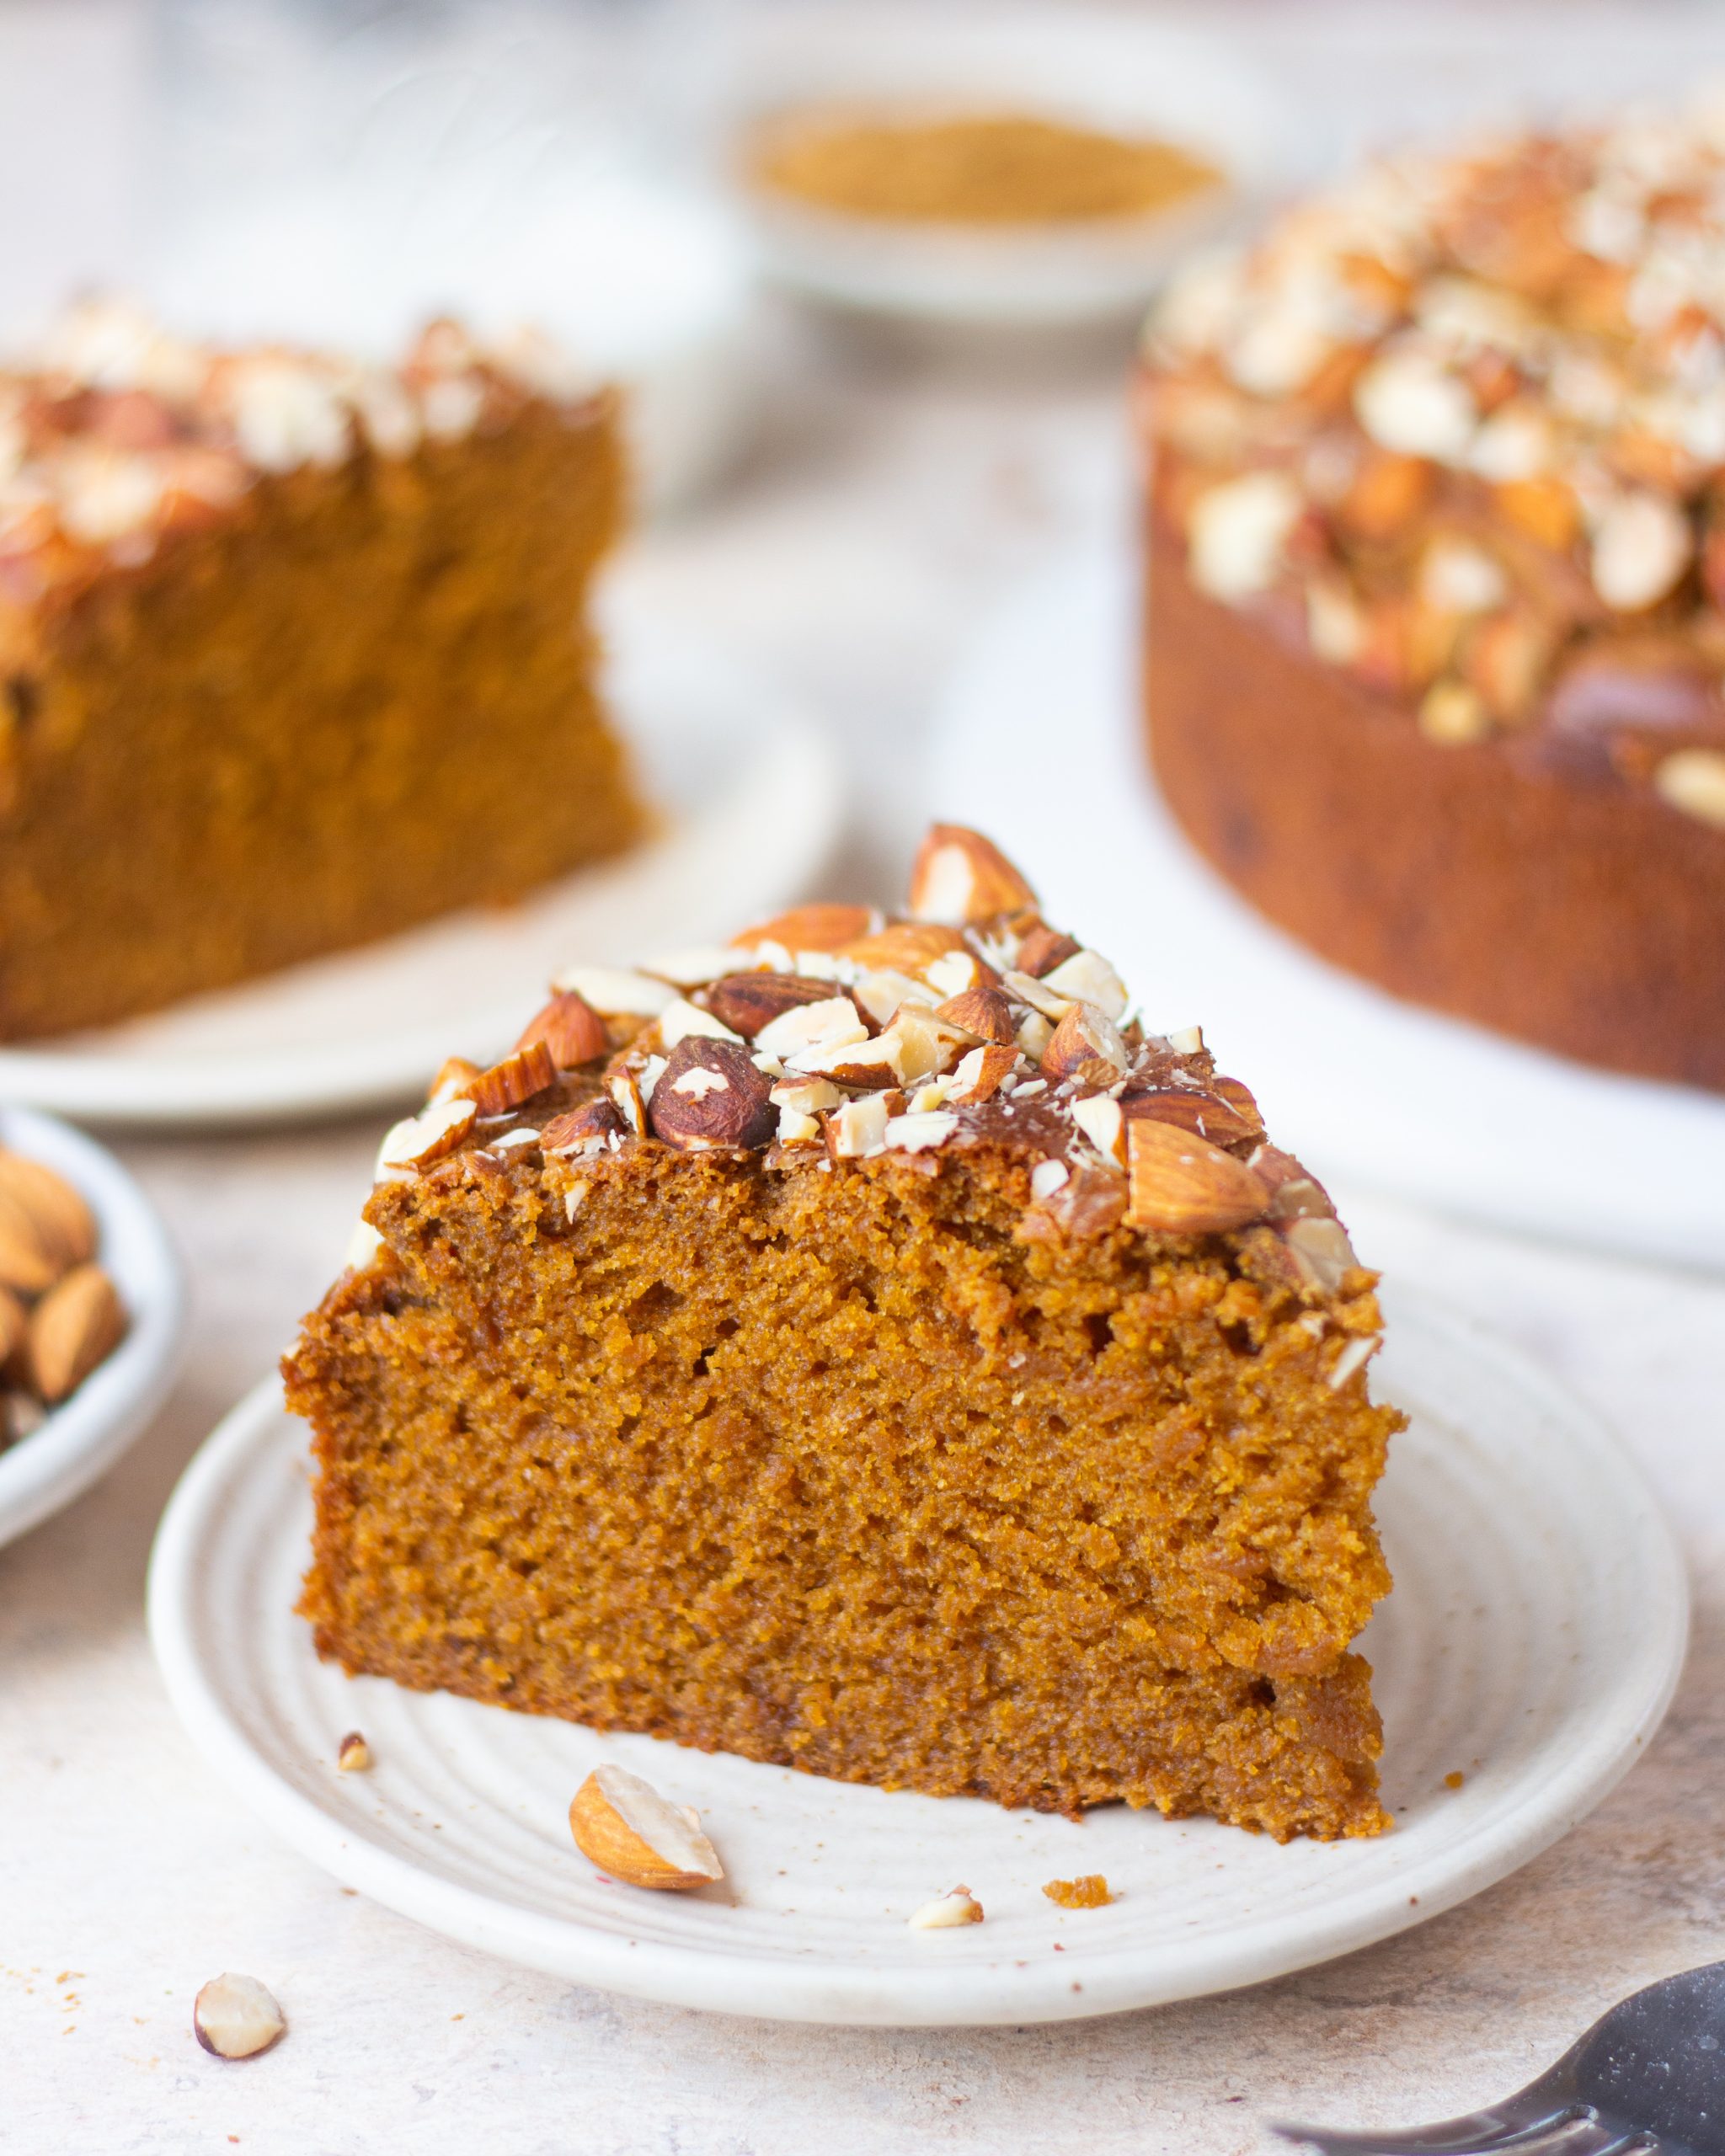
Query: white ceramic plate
{"points": [[81, 1439], [1532, 1643], [751, 794], [1099, 69], [1038, 741]]}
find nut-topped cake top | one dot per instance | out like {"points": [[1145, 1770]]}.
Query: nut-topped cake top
{"points": [[113, 433], [832, 1038], [1459, 428]]}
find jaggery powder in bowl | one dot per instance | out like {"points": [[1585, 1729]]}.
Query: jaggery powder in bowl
{"points": [[990, 168]]}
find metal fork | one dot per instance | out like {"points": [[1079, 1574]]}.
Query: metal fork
{"points": [[1647, 2079]]}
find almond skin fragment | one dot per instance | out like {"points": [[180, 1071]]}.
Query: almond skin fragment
{"points": [[517, 1078], [63, 1221], [572, 1030], [234, 2017], [77, 1325], [623, 1825], [963, 879], [1178, 1184]]}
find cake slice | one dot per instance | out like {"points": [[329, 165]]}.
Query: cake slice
{"points": [[292, 654], [867, 1347]]}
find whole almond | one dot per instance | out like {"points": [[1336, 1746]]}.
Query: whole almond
{"points": [[528, 1070], [963, 879], [748, 1001], [29, 1262], [810, 928], [984, 1012], [710, 1094], [571, 1029], [66, 1225], [1180, 1185], [77, 1325]]}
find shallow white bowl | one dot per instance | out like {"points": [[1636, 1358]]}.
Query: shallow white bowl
{"points": [[81, 1438], [751, 799], [1102, 70], [1531, 1644]]}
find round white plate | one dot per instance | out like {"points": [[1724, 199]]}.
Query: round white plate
{"points": [[1531, 1644], [1039, 743], [81, 1439], [750, 794], [1095, 68]]}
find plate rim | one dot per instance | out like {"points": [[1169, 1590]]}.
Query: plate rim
{"points": [[245, 1089], [1533, 1818], [45, 1472]]}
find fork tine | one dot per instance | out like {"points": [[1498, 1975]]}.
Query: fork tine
{"points": [[1571, 2131]]}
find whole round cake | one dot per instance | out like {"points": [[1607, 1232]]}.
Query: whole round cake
{"points": [[1436, 612]]}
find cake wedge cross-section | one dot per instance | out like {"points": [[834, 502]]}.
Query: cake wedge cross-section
{"points": [[867, 1347]]}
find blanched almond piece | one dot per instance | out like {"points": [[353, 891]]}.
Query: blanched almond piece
{"points": [[1101, 1121], [963, 879], [64, 1221], [77, 1325], [235, 2017], [614, 991], [571, 1028], [624, 1825], [1179, 1185], [960, 1907], [1088, 978]]}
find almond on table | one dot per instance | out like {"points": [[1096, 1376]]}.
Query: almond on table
{"points": [[818, 1373], [60, 1316]]}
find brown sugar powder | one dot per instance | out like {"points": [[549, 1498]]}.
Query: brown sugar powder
{"points": [[983, 168], [1090, 1891]]}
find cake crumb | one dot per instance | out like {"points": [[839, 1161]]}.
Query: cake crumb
{"points": [[1089, 1891], [1455, 1780]]}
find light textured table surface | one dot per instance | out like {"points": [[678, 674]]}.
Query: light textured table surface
{"points": [[891, 496]]}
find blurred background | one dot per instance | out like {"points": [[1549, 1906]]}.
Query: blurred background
{"points": [[842, 486]]}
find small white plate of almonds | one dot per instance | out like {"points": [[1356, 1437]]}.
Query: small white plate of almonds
{"points": [[92, 1315]]}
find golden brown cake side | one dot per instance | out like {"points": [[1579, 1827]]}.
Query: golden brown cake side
{"points": [[1574, 914], [1438, 613], [914, 1406], [291, 657]]}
